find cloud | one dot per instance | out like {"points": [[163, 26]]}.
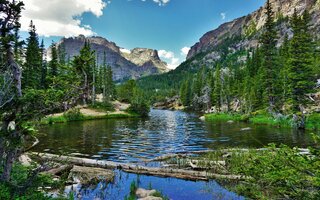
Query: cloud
{"points": [[223, 16], [125, 51], [60, 17], [161, 2], [185, 51], [170, 58]]}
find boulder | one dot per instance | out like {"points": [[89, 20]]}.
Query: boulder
{"points": [[25, 160], [90, 175], [142, 193]]}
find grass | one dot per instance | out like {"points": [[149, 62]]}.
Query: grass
{"points": [[224, 117], [261, 117], [64, 119]]}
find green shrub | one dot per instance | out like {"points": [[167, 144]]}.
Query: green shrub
{"points": [[139, 104], [277, 173], [73, 114], [103, 106], [313, 121]]}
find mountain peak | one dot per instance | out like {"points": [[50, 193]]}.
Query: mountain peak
{"points": [[125, 64], [255, 21]]}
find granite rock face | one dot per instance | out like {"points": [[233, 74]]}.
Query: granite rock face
{"points": [[255, 21], [125, 65]]}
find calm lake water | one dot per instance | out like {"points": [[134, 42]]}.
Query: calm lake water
{"points": [[130, 140]]}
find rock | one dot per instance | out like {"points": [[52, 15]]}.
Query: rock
{"points": [[173, 103], [203, 118], [25, 160], [12, 126], [90, 175], [142, 193], [230, 122], [245, 129], [212, 39]]}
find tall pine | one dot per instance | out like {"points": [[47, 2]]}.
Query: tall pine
{"points": [[301, 78], [268, 42], [33, 64]]}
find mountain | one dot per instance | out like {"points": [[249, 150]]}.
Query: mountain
{"points": [[248, 27], [229, 45], [125, 64]]}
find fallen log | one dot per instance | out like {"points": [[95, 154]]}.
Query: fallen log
{"points": [[138, 169], [59, 170]]}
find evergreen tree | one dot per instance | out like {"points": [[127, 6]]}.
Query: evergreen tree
{"points": [[33, 65], [109, 84], [84, 64], [268, 42], [217, 100], [301, 78], [44, 66], [185, 93], [62, 54], [54, 63]]}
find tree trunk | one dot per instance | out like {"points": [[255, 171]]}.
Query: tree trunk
{"points": [[138, 169], [6, 174]]}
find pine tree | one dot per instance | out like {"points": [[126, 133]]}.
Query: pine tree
{"points": [[44, 66], [185, 93], [109, 84], [54, 63], [84, 64], [33, 66], [301, 78], [62, 54], [217, 89], [268, 42]]}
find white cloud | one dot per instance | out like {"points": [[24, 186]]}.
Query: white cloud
{"points": [[185, 51], [223, 16], [170, 58], [60, 17], [161, 2], [125, 51]]}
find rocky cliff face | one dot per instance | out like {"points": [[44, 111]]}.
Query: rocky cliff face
{"points": [[252, 23], [139, 62]]}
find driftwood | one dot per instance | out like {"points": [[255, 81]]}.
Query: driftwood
{"points": [[138, 169], [59, 170], [35, 143]]}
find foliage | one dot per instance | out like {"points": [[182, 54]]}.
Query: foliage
{"points": [[139, 104], [301, 77], [14, 190], [73, 115], [125, 91], [277, 173]]}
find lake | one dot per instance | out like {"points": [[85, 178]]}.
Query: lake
{"points": [[164, 132]]}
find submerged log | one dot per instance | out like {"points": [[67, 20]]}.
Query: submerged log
{"points": [[138, 169]]}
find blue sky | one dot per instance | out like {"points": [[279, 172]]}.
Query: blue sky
{"points": [[166, 25]]}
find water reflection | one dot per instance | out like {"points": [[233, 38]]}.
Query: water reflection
{"points": [[130, 140], [175, 189]]}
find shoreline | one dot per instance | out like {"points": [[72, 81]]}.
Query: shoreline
{"points": [[312, 120]]}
